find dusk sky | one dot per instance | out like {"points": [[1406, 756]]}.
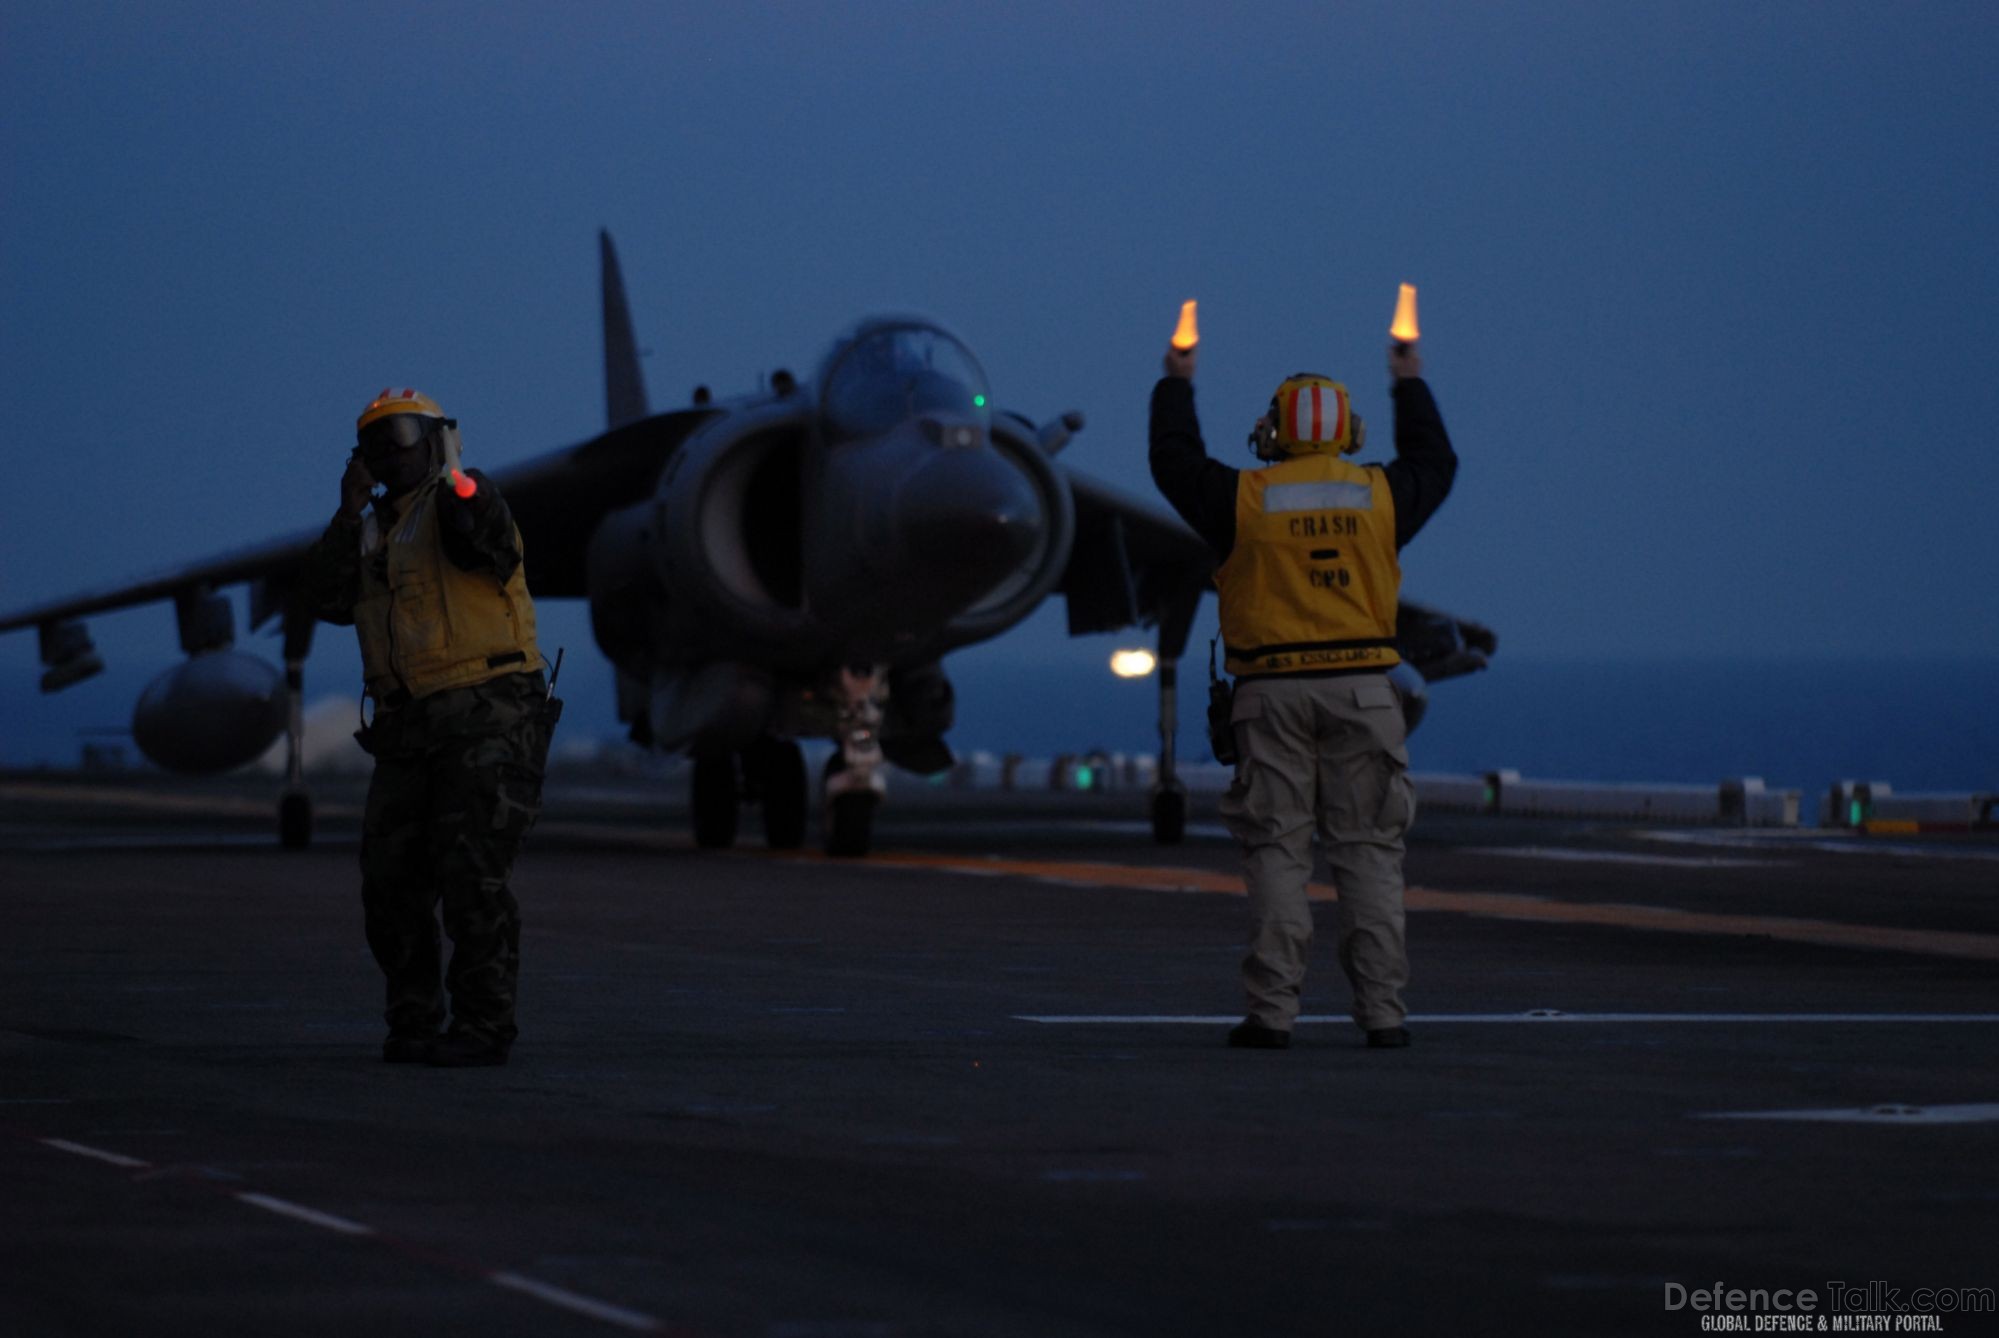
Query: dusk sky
{"points": [[1708, 290]]}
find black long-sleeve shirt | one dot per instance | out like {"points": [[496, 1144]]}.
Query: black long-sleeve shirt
{"points": [[1203, 489], [476, 532]]}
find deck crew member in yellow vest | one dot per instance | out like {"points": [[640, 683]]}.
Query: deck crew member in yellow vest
{"points": [[1309, 577], [429, 573]]}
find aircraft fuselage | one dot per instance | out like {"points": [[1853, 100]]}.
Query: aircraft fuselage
{"points": [[874, 517]]}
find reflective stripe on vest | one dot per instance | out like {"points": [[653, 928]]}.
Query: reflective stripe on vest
{"points": [[1313, 579], [434, 625]]}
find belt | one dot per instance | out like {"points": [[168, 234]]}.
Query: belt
{"points": [[1292, 647], [389, 701]]}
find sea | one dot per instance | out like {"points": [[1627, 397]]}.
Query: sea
{"points": [[1796, 723]]}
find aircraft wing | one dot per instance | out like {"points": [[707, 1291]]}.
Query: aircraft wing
{"points": [[1441, 645], [1134, 563], [1152, 533], [557, 500], [259, 561]]}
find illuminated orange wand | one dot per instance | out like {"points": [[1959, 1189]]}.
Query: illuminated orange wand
{"points": [[1188, 334], [1404, 331], [461, 483]]}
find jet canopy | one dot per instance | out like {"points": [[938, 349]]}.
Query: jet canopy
{"points": [[891, 369]]}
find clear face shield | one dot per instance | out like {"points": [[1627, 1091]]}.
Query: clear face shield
{"points": [[402, 450], [448, 448]]}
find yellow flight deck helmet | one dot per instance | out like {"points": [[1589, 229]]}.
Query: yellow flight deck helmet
{"points": [[1310, 412], [397, 418], [393, 401]]}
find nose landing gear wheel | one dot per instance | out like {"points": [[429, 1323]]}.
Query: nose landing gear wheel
{"points": [[787, 792], [715, 801], [850, 816], [850, 823]]}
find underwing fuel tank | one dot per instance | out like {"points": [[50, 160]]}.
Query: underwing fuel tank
{"points": [[211, 713]]}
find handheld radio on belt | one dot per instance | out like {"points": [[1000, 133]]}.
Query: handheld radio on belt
{"points": [[1221, 704]]}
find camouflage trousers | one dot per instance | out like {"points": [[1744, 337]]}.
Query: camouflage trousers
{"points": [[457, 784]]}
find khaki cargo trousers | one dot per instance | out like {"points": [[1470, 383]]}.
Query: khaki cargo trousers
{"points": [[1325, 754]]}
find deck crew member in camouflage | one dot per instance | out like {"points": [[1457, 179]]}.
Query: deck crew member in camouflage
{"points": [[429, 573]]}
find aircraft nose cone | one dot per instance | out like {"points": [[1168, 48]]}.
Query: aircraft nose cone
{"points": [[970, 517]]}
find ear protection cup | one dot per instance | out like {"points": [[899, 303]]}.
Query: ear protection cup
{"points": [[1266, 432], [1263, 435]]}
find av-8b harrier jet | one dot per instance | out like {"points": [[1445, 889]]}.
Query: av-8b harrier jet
{"points": [[789, 564]]}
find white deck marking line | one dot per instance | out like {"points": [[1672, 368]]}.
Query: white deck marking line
{"points": [[1884, 1114], [1563, 853], [298, 1212], [1536, 1018], [1815, 838], [310, 1216], [96, 1154], [582, 1305]]}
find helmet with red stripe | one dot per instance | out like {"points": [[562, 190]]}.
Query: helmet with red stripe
{"points": [[393, 401], [402, 436], [1309, 412]]}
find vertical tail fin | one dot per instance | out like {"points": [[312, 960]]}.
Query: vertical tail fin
{"points": [[624, 387]]}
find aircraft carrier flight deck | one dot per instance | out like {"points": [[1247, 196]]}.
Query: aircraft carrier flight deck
{"points": [[975, 1084]]}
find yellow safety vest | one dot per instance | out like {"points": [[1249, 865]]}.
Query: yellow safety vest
{"points": [[1312, 581], [433, 625]]}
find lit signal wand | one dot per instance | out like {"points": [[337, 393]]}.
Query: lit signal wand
{"points": [[1188, 333], [460, 482], [1404, 331]]}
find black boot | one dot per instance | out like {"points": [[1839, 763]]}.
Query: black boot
{"points": [[408, 1047], [466, 1050], [1249, 1034]]}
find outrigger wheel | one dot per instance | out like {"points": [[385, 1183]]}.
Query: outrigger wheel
{"points": [[715, 801], [295, 820], [1169, 815]]}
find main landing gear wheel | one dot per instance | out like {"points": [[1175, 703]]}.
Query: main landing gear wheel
{"points": [[850, 824], [850, 817], [715, 801], [787, 792], [295, 821], [1169, 817]]}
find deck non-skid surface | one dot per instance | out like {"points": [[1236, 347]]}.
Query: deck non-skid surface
{"points": [[977, 1085]]}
